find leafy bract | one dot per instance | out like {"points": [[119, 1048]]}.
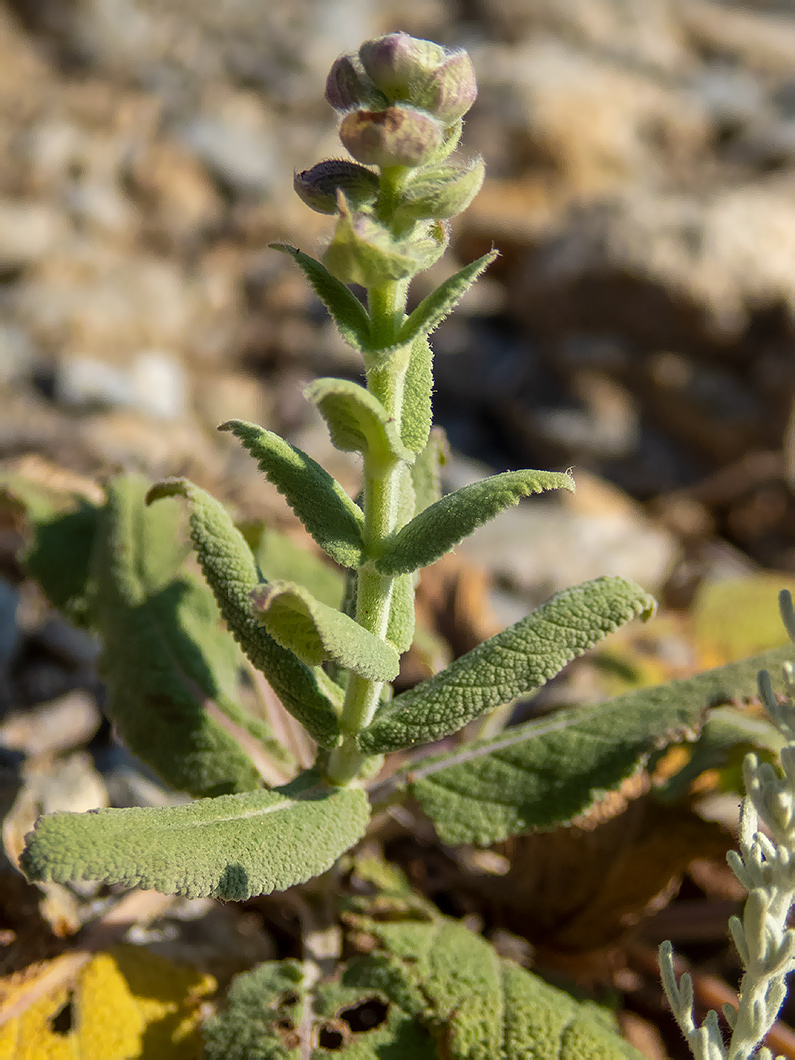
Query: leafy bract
{"points": [[165, 657], [415, 424], [357, 421], [231, 573], [346, 310], [230, 847], [440, 303], [517, 662], [317, 633], [544, 773], [322, 505], [436, 529]]}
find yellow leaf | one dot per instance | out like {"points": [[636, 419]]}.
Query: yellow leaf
{"points": [[124, 1004]]}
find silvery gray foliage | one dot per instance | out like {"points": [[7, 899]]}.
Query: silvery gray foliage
{"points": [[765, 866]]}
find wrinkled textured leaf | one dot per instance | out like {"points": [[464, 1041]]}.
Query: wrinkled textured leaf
{"points": [[544, 773], [436, 529], [124, 1003], [440, 303], [231, 573], [165, 654], [415, 424], [357, 421], [230, 847], [322, 505], [346, 310], [479, 1006], [263, 1019], [317, 633], [517, 662]]}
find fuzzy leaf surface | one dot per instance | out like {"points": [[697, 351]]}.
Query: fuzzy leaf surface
{"points": [[280, 557], [317, 633], [230, 847], [357, 421], [165, 656], [400, 631], [228, 565], [542, 774], [346, 310], [274, 996], [517, 662], [478, 1005], [436, 529], [322, 505], [440, 303], [415, 425]]}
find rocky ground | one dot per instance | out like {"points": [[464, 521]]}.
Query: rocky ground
{"points": [[638, 326]]}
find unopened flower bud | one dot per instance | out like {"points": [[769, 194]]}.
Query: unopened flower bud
{"points": [[397, 136], [398, 63], [441, 191], [450, 90], [319, 185], [348, 86]]}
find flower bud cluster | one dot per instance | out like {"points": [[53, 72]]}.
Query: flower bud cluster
{"points": [[401, 102]]}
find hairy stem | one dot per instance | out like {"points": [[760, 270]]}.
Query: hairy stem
{"points": [[381, 502]]}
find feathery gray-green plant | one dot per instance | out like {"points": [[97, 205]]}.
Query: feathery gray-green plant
{"points": [[765, 867]]}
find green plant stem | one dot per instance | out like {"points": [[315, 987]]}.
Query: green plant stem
{"points": [[381, 501]]}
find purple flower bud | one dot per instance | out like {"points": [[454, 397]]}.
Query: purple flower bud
{"points": [[398, 63], [397, 136], [348, 86], [319, 185], [450, 90]]}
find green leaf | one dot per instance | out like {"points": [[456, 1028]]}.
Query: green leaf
{"points": [[267, 1010], [281, 558], [230, 847], [542, 774], [478, 1005], [415, 425], [60, 537], [517, 662], [165, 658], [426, 471], [357, 421], [317, 633], [440, 303], [441, 526], [231, 573], [346, 310], [400, 631], [322, 505]]}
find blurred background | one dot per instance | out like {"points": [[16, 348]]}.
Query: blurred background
{"points": [[638, 325]]}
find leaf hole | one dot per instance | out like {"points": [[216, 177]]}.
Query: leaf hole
{"points": [[63, 1020], [365, 1016], [288, 999], [330, 1038]]}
